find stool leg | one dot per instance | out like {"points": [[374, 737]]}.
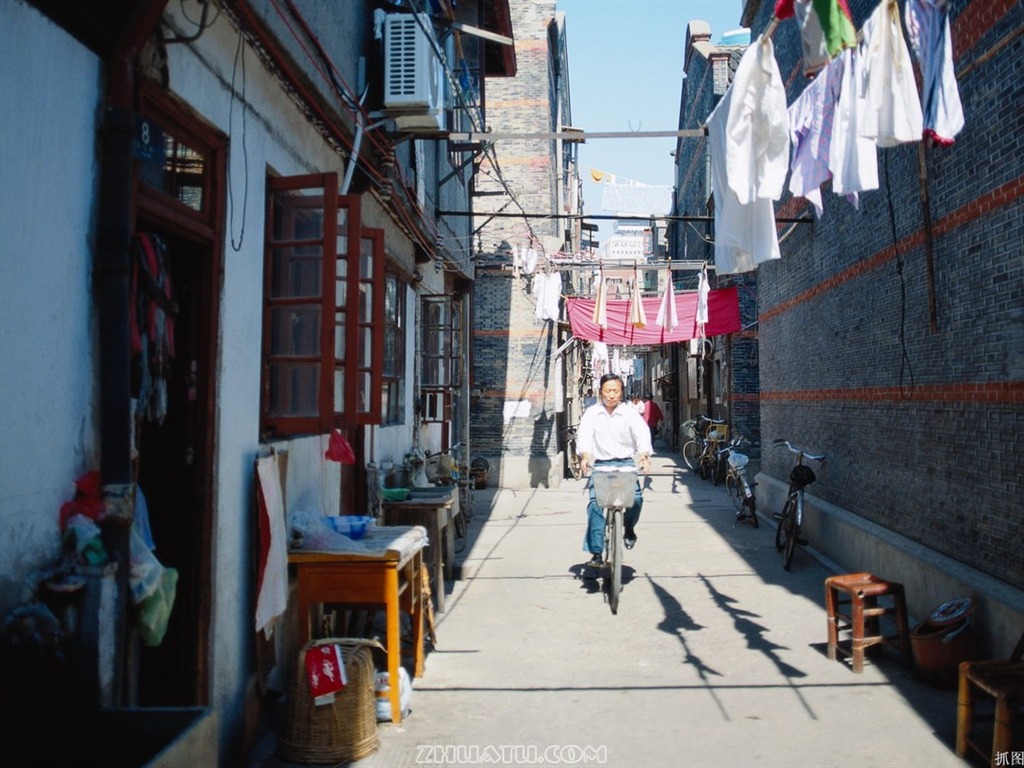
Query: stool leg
{"points": [[903, 627], [964, 712], [857, 643], [1002, 734], [833, 627]]}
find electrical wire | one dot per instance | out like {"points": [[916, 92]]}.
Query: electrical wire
{"points": [[239, 56], [905, 364]]}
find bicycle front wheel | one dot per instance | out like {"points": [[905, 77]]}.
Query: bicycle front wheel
{"points": [[732, 485], [792, 533], [574, 460], [718, 470], [788, 512], [691, 454], [615, 561]]}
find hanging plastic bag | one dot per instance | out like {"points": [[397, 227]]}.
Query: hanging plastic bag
{"points": [[154, 612], [338, 449]]}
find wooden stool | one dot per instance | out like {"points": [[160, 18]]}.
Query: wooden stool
{"points": [[862, 592], [1004, 682]]}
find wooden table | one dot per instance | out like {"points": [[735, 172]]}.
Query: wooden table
{"points": [[387, 574], [435, 513]]}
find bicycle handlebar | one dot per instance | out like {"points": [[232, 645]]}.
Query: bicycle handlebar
{"points": [[780, 441]]}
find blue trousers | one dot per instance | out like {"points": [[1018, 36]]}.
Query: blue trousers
{"points": [[593, 542]]}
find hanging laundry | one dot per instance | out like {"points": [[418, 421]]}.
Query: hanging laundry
{"points": [[723, 313], [810, 130], [748, 136], [703, 292], [518, 257], [547, 290], [529, 261], [893, 108], [600, 316], [272, 574], [826, 27], [928, 30], [151, 324], [853, 158], [668, 318], [637, 316], [599, 359]]}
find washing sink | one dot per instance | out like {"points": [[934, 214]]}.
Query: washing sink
{"points": [[433, 492]]}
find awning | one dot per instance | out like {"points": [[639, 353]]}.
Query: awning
{"points": [[723, 317]]}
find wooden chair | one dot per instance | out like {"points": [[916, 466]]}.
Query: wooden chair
{"points": [[1003, 680]]}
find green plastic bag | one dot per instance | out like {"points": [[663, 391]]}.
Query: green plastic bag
{"points": [[153, 612]]}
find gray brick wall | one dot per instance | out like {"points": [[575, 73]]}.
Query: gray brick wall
{"points": [[923, 426]]}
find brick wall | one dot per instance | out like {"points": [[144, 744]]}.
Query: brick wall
{"points": [[513, 363], [922, 419]]}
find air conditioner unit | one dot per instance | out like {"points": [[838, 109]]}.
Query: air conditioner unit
{"points": [[413, 73]]}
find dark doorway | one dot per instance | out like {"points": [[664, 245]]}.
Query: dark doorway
{"points": [[174, 469]]}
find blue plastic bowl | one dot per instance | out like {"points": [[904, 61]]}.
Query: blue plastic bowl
{"points": [[353, 526]]}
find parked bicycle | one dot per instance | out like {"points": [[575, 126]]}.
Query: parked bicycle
{"points": [[699, 452], [615, 492], [572, 459], [790, 520], [737, 482]]}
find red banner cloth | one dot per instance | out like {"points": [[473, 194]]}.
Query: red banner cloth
{"points": [[723, 317]]}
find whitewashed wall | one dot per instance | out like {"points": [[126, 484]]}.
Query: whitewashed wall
{"points": [[277, 138], [48, 172]]}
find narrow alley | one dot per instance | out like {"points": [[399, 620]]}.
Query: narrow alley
{"points": [[716, 656]]}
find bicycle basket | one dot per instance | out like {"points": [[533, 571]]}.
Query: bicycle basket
{"points": [[738, 460], [614, 489], [802, 476]]}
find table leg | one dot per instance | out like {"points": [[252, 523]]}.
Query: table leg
{"points": [[437, 545], [416, 615], [394, 644]]}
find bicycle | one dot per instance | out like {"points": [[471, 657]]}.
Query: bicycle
{"points": [[790, 520], [738, 484], [695, 450], [614, 491], [572, 459]]}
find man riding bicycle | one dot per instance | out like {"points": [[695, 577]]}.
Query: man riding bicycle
{"points": [[610, 434]]}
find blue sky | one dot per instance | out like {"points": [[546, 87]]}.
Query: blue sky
{"points": [[625, 74]]}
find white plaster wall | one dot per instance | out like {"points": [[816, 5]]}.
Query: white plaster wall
{"points": [[277, 138], [48, 172]]}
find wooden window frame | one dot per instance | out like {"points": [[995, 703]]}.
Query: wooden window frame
{"points": [[344, 314], [393, 382]]}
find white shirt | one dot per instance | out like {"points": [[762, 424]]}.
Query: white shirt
{"points": [[748, 135], [893, 108], [853, 159], [615, 435]]}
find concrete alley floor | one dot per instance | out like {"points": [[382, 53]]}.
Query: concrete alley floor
{"points": [[716, 656]]}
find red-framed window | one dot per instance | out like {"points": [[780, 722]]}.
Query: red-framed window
{"points": [[322, 286]]}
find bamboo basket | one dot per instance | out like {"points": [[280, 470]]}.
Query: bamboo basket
{"points": [[340, 732]]}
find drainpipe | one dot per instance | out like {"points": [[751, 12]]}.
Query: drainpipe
{"points": [[111, 274]]}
